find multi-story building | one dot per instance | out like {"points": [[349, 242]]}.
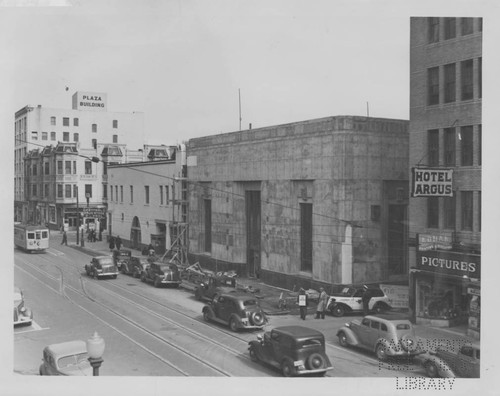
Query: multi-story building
{"points": [[88, 125], [318, 201], [445, 158], [147, 200]]}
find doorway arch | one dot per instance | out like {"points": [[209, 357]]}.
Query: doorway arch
{"points": [[135, 233]]}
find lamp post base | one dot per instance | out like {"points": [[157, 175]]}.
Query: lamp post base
{"points": [[96, 363]]}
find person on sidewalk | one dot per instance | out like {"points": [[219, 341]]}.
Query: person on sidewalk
{"points": [[65, 238], [321, 308], [118, 242], [111, 243], [302, 302], [366, 300]]}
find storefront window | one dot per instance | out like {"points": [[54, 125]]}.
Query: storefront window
{"points": [[439, 299]]}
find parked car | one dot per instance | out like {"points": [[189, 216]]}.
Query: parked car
{"points": [[236, 310], [134, 266], [207, 289], [66, 358], [161, 274], [22, 315], [101, 266], [350, 300], [121, 257], [464, 362], [385, 335], [295, 350]]}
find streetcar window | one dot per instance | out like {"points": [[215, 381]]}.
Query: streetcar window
{"points": [[31, 235], [38, 235], [45, 234]]}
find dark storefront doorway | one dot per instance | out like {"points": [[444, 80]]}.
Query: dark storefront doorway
{"points": [[253, 212]]}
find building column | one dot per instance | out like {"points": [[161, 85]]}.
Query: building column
{"points": [[347, 256]]}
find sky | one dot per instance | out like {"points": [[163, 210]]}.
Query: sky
{"points": [[183, 63]]}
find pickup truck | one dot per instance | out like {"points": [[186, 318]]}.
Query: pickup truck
{"points": [[464, 363]]}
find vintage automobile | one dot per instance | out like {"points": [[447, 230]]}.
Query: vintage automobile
{"points": [[386, 335], [66, 358], [121, 257], [213, 285], [22, 315], [237, 310], [464, 362], [134, 266], [295, 350], [350, 300], [101, 266], [161, 274]]}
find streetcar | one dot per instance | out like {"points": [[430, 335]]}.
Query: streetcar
{"points": [[31, 238]]}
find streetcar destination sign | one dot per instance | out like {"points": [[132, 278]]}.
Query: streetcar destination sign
{"points": [[432, 182]]}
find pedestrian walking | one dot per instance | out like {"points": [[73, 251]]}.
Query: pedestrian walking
{"points": [[64, 239], [321, 308], [118, 242], [366, 299], [151, 250], [111, 243], [302, 302]]}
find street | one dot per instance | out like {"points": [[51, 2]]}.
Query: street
{"points": [[149, 331]]}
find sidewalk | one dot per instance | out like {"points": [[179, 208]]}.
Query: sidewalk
{"points": [[269, 297]]}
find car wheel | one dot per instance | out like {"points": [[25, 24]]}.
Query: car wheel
{"points": [[431, 369], [379, 308], [157, 283], [287, 368], [381, 352], [315, 361], [338, 310], [257, 318], [253, 354], [343, 340], [408, 343], [233, 325], [206, 315]]}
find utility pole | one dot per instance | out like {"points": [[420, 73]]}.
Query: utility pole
{"points": [[77, 218]]}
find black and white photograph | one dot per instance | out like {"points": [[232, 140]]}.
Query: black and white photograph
{"points": [[233, 197]]}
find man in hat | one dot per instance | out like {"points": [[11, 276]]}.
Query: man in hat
{"points": [[302, 302], [366, 299], [321, 308]]}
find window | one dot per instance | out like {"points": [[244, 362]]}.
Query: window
{"points": [[75, 121], [480, 77], [94, 143], [94, 127], [480, 24], [366, 322], [65, 121], [34, 191], [466, 145], [88, 167], [432, 212], [52, 136], [104, 191], [432, 30], [449, 212], [146, 195], [449, 147], [46, 188], [74, 167], [131, 194], [52, 120], [207, 206], [449, 83], [116, 193], [59, 167], [111, 191], [65, 136], [67, 190], [450, 28], [45, 136], [479, 144], [34, 135], [306, 237], [75, 137], [115, 123], [47, 168], [121, 194], [59, 191], [374, 324], [35, 170], [383, 327], [466, 68], [466, 210], [433, 147], [467, 25], [161, 195], [88, 190], [433, 86], [166, 195], [67, 167], [75, 190], [115, 138]]}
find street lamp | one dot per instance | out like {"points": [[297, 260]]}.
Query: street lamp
{"points": [[95, 349]]}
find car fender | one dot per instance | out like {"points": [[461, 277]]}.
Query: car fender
{"points": [[209, 309], [350, 335], [237, 318], [444, 369], [258, 349]]}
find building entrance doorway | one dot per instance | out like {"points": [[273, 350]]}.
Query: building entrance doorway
{"points": [[253, 213]]}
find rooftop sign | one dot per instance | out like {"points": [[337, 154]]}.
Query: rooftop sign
{"points": [[94, 101]]}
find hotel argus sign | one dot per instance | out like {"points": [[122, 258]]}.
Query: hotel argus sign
{"points": [[432, 182]]}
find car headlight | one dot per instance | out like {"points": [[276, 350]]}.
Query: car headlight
{"points": [[23, 310]]}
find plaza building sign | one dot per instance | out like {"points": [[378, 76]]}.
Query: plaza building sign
{"points": [[450, 263], [432, 182], [95, 101]]}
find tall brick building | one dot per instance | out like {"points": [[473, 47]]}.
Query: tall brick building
{"points": [[305, 203], [445, 160]]}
